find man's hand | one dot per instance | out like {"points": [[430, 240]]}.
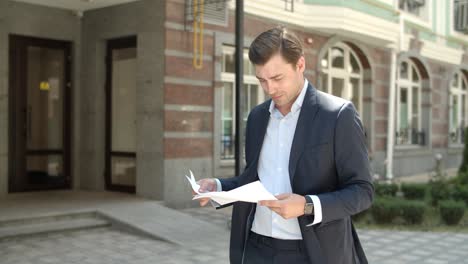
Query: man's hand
{"points": [[288, 205], [206, 185]]}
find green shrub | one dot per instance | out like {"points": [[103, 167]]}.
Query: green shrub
{"points": [[464, 165], [451, 211], [439, 190], [462, 178], [385, 210], [460, 193], [414, 191], [385, 189], [359, 216], [413, 211]]}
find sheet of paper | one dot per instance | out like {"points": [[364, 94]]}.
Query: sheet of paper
{"points": [[252, 193], [195, 186]]}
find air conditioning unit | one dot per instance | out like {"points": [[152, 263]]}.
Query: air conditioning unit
{"points": [[412, 6], [461, 16], [215, 12], [416, 3]]}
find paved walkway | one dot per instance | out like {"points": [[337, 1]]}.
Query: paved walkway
{"points": [[208, 244]]}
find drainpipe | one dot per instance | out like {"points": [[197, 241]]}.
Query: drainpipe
{"points": [[391, 118], [392, 102]]}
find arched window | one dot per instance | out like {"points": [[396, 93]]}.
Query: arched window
{"points": [[408, 117], [458, 108], [342, 74]]}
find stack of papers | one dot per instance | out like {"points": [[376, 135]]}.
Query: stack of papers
{"points": [[252, 193]]}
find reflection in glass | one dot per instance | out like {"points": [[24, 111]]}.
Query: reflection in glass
{"points": [[354, 65], [123, 171], [44, 169], [324, 82], [356, 93], [229, 63], [337, 58], [227, 100], [124, 100], [404, 125], [337, 87], [415, 74], [404, 70], [44, 111]]}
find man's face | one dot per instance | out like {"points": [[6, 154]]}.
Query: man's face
{"points": [[281, 80]]}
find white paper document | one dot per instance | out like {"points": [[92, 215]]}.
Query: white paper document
{"points": [[252, 193]]}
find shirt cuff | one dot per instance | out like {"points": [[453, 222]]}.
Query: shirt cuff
{"points": [[219, 187], [317, 210]]}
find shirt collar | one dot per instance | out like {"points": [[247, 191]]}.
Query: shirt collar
{"points": [[297, 104]]}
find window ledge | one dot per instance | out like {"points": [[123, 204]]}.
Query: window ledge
{"points": [[411, 150], [455, 148]]}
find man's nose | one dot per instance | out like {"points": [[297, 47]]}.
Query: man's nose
{"points": [[271, 88]]}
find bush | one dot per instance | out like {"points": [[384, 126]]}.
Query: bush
{"points": [[451, 211], [413, 211], [439, 190], [460, 193], [385, 210], [462, 178], [413, 191], [359, 216], [464, 165], [385, 189]]}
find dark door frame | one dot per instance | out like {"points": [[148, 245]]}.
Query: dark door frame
{"points": [[114, 44], [18, 91]]}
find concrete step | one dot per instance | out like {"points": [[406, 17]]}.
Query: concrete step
{"points": [[50, 223]]}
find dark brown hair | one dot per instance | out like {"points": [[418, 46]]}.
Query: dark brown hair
{"points": [[273, 41]]}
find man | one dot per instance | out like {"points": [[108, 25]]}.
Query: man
{"points": [[308, 148]]}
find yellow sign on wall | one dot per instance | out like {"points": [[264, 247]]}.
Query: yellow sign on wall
{"points": [[44, 86]]}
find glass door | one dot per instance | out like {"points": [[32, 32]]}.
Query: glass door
{"points": [[40, 114], [121, 114]]}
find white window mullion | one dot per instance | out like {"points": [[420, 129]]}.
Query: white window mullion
{"points": [[398, 106], [459, 110], [419, 108], [410, 113]]}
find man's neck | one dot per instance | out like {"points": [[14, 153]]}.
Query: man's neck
{"points": [[285, 109]]}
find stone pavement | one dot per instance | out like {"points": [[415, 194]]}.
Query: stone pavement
{"points": [[207, 245]]}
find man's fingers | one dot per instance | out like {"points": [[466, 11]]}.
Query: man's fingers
{"points": [[283, 196], [271, 204], [204, 201]]}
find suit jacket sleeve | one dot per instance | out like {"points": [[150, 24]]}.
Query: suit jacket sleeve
{"points": [[355, 191]]}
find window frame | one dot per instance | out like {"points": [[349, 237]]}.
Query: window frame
{"points": [[459, 92], [343, 73], [228, 77], [408, 84]]}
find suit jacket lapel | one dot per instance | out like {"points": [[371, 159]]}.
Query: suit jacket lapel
{"points": [[304, 123]]}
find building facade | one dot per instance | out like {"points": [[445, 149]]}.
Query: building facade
{"points": [[130, 95]]}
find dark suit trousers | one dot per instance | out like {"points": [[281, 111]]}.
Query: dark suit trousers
{"points": [[266, 250]]}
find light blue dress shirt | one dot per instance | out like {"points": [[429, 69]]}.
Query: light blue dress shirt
{"points": [[274, 173]]}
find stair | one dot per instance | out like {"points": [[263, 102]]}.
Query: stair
{"points": [[51, 223]]}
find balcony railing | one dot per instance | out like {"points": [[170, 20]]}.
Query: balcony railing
{"points": [[410, 137]]}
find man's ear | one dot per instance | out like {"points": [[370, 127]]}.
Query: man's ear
{"points": [[300, 65]]}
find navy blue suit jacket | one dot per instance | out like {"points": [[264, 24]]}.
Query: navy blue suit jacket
{"points": [[329, 159]]}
